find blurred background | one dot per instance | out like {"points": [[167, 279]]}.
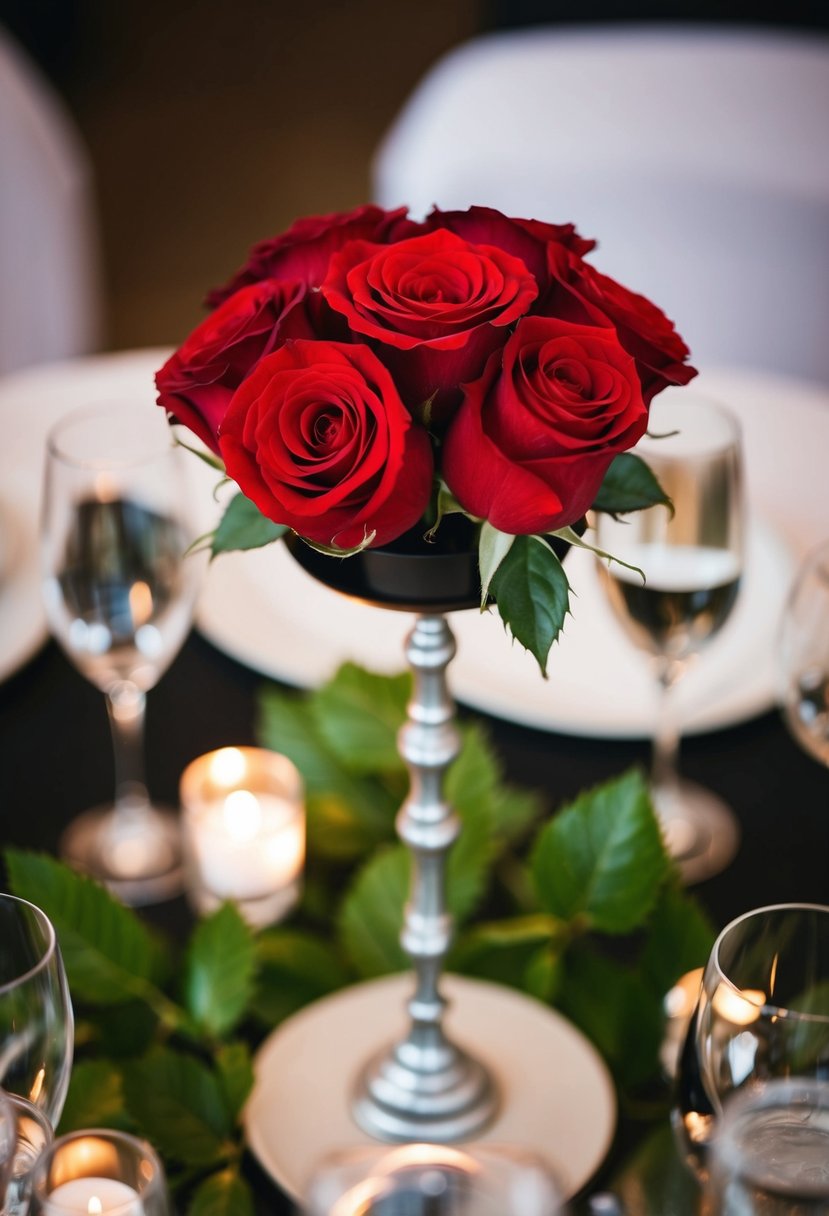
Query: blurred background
{"points": [[210, 124]]}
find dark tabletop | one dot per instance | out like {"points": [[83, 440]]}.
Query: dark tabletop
{"points": [[55, 761]]}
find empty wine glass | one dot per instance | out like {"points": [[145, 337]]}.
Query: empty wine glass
{"points": [[692, 559], [770, 1156], [804, 656], [8, 1142], [120, 590], [36, 1023], [763, 1013]]}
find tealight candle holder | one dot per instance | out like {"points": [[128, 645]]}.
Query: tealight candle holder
{"points": [[103, 1172], [243, 827]]}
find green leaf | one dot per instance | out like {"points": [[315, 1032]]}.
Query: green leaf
{"points": [[179, 1105], [95, 1098], [358, 713], [209, 458], [616, 1010], [602, 858], [219, 970], [502, 951], [371, 916], [235, 1066], [124, 1031], [347, 814], [469, 788], [222, 1194], [629, 485], [295, 967], [108, 953], [533, 595], [679, 940], [243, 526], [514, 810], [493, 547]]}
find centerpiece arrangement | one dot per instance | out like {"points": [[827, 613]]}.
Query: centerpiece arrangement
{"points": [[466, 386], [365, 375]]}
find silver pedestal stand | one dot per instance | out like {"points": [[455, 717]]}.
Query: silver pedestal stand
{"points": [[425, 1087]]}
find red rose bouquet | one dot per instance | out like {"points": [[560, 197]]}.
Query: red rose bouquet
{"points": [[365, 374]]}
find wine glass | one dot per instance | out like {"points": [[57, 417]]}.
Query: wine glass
{"points": [[120, 590], [762, 1014], [804, 655], [36, 1023], [691, 558], [770, 1156]]}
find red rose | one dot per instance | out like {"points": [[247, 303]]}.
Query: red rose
{"points": [[318, 438], [304, 251], [531, 442], [525, 239], [196, 383], [581, 293], [434, 305]]}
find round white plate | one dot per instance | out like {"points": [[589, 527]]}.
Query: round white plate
{"points": [[557, 1095]]}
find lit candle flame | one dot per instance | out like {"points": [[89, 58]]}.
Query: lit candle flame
{"points": [[94, 1205], [141, 603], [242, 815], [227, 766]]}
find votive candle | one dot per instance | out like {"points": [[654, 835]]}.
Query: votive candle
{"points": [[244, 832], [94, 1195]]}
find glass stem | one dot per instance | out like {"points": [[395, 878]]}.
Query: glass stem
{"points": [[664, 767], [126, 704]]}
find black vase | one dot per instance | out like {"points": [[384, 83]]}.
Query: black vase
{"points": [[410, 574]]}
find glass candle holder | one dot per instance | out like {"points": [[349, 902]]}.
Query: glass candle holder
{"points": [[434, 1180], [243, 821], [99, 1171]]}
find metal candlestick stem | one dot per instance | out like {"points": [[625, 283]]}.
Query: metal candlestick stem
{"points": [[425, 1087]]}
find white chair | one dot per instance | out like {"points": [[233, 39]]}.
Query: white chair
{"points": [[49, 258], [697, 156]]}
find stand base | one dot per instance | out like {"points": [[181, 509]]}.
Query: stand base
{"points": [[702, 834], [138, 858], [556, 1095], [454, 1102]]}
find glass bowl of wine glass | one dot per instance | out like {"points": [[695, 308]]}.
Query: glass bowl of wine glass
{"points": [[120, 588], [762, 1014], [36, 1021], [672, 590]]}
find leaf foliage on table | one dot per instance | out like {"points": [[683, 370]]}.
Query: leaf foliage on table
{"points": [[580, 908]]}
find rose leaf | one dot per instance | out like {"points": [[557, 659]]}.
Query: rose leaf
{"points": [[109, 954], [601, 860], [178, 1101], [533, 595], [629, 485], [222, 1194], [493, 547], [243, 526], [371, 916], [295, 967], [219, 970]]}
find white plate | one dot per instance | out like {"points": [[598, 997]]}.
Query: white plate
{"points": [[557, 1097], [263, 610], [30, 402]]}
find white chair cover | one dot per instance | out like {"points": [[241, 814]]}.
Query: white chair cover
{"points": [[697, 156], [49, 285]]}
